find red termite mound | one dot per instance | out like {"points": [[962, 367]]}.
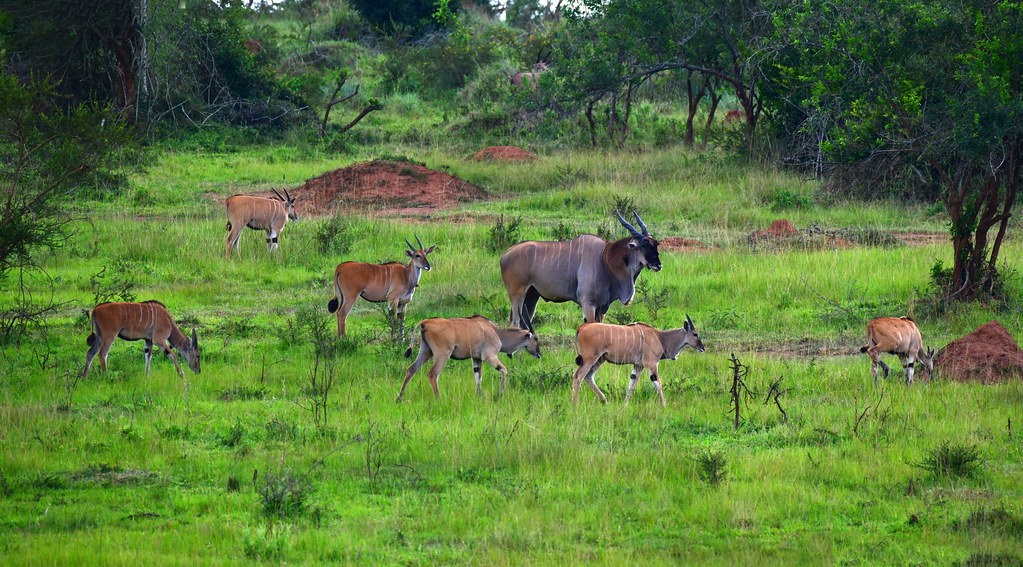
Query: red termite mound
{"points": [[988, 355], [780, 228], [383, 183]]}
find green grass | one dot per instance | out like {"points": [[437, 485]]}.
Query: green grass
{"points": [[160, 471]]}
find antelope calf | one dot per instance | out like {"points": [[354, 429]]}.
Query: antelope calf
{"points": [[637, 344], [258, 213], [460, 338], [391, 282], [898, 336], [148, 321]]}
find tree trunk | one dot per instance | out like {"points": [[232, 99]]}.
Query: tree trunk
{"points": [[715, 99], [612, 117], [694, 104], [593, 125], [1011, 190], [628, 112]]}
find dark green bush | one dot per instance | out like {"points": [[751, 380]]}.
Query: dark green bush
{"points": [[503, 235], [952, 460]]}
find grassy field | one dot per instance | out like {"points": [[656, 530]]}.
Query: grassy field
{"points": [[250, 461]]}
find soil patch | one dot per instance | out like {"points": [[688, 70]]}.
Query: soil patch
{"points": [[988, 355], [922, 238], [503, 153], [382, 183], [676, 243]]}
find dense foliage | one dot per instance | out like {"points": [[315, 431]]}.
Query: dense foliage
{"points": [[926, 97]]}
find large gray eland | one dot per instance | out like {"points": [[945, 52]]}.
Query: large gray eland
{"points": [[392, 282], [637, 344], [460, 338], [148, 321], [587, 270]]}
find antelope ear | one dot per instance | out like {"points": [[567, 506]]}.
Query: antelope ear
{"points": [[633, 244], [430, 249], [409, 253], [195, 339]]}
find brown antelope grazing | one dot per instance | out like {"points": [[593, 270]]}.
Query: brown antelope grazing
{"points": [[460, 338], [637, 344], [148, 321], [898, 336], [541, 66], [258, 213], [391, 282], [587, 270]]}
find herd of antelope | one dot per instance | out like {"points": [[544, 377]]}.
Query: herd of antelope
{"points": [[588, 270]]}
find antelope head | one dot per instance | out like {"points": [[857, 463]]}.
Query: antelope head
{"points": [[642, 244], [692, 337], [928, 360], [289, 203], [418, 255], [191, 353]]}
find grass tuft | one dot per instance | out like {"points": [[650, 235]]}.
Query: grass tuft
{"points": [[952, 460]]}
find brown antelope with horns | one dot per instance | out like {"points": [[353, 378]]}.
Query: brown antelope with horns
{"points": [[148, 321], [899, 336], [588, 270], [637, 344], [541, 66], [258, 213], [460, 338], [391, 282]]}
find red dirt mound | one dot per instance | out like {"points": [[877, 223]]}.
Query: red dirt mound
{"points": [[779, 229], [383, 183], [988, 354], [503, 153], [672, 243]]}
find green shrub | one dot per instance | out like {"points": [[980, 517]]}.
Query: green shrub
{"points": [[711, 466], [503, 235], [283, 495], [781, 199], [334, 235], [952, 460]]}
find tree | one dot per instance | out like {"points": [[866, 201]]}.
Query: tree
{"points": [[47, 149], [932, 92], [712, 41], [389, 15], [90, 48]]}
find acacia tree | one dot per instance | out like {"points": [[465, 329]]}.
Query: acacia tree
{"points": [[933, 90], [626, 42]]}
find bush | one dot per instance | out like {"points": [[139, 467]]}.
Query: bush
{"points": [[284, 495], [504, 235], [711, 466], [334, 235], [783, 199], [949, 460]]}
